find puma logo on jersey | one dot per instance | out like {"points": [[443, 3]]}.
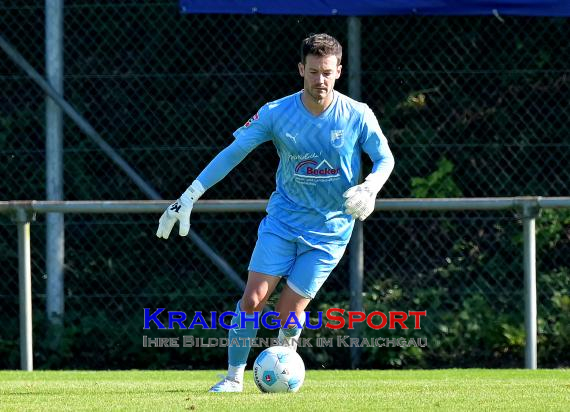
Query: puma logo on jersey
{"points": [[292, 137]]}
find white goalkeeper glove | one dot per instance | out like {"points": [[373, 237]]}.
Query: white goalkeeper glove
{"points": [[360, 199], [180, 211]]}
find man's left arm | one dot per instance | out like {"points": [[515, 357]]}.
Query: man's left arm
{"points": [[360, 199]]}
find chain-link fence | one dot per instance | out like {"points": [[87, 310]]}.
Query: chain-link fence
{"points": [[472, 106]]}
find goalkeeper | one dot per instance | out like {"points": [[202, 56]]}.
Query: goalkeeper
{"points": [[319, 135]]}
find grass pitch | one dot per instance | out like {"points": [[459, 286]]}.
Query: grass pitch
{"points": [[462, 390]]}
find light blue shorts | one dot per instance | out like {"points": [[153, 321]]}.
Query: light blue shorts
{"points": [[305, 264]]}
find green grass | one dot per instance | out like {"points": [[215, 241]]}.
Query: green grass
{"points": [[465, 390]]}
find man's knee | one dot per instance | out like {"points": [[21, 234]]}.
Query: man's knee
{"points": [[251, 303]]}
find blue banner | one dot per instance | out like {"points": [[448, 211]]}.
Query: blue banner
{"points": [[379, 7]]}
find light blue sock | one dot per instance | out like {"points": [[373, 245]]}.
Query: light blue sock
{"points": [[291, 335], [237, 354], [295, 331]]}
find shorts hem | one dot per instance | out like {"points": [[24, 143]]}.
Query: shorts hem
{"points": [[265, 272], [298, 291]]}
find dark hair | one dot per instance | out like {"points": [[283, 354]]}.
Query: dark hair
{"points": [[321, 45]]}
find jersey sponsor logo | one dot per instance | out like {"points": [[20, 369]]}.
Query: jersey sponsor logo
{"points": [[337, 138], [310, 169], [251, 120], [304, 156]]}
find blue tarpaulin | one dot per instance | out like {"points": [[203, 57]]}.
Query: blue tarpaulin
{"points": [[380, 7]]}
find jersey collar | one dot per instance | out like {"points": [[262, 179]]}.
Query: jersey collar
{"points": [[311, 115]]}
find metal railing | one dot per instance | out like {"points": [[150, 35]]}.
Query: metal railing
{"points": [[23, 212]]}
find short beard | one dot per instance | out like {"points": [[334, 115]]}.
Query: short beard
{"points": [[317, 99]]}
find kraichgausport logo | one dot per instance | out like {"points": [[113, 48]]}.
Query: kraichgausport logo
{"points": [[333, 318]]}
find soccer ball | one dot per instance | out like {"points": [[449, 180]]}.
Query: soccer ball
{"points": [[279, 369]]}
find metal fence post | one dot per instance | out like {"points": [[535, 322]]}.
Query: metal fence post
{"points": [[530, 212], [80, 121], [356, 246], [22, 218], [55, 230]]}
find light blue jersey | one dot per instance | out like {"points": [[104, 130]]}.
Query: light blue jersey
{"points": [[319, 161], [305, 233]]}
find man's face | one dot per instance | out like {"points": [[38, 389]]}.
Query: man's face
{"points": [[319, 74]]}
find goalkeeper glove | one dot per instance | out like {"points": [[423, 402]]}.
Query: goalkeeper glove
{"points": [[180, 211], [360, 199]]}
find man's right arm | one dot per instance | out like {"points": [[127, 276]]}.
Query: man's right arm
{"points": [[216, 170], [247, 137], [223, 163]]}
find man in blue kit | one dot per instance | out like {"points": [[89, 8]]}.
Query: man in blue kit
{"points": [[319, 135]]}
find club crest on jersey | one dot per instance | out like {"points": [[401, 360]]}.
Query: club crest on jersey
{"points": [[251, 120], [337, 138]]}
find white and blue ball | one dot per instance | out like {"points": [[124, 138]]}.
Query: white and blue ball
{"points": [[279, 369]]}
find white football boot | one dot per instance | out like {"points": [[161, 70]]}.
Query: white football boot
{"points": [[227, 385]]}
